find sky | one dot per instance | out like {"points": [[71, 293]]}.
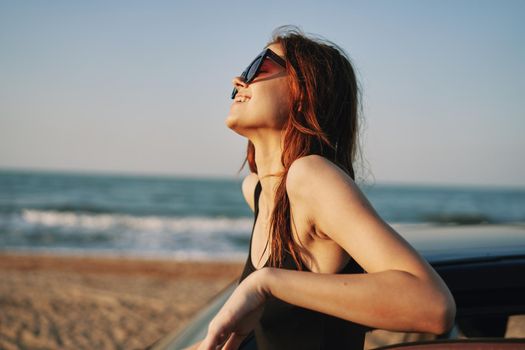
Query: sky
{"points": [[142, 87]]}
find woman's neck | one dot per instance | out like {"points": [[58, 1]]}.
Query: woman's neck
{"points": [[268, 153]]}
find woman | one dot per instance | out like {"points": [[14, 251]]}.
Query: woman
{"points": [[315, 234]]}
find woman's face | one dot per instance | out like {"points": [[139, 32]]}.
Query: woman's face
{"points": [[264, 102]]}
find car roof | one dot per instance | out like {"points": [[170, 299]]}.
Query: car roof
{"points": [[454, 243]]}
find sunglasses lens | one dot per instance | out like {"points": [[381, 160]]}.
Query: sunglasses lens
{"points": [[243, 75], [252, 70]]}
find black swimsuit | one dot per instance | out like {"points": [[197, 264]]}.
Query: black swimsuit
{"points": [[286, 326]]}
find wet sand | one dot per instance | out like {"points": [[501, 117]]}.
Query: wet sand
{"points": [[56, 302]]}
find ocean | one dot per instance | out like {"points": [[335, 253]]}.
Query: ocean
{"points": [[195, 218]]}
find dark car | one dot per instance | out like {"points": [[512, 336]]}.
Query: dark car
{"points": [[484, 267]]}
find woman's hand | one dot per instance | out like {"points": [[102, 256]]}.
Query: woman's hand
{"points": [[239, 315]]}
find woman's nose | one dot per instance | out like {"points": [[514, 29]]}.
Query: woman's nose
{"points": [[239, 82]]}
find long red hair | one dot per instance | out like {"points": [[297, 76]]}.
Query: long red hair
{"points": [[322, 119]]}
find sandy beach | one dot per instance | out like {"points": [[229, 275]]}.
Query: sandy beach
{"points": [[58, 302]]}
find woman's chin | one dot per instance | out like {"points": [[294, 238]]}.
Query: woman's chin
{"points": [[233, 123]]}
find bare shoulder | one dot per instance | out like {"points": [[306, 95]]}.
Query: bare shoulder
{"points": [[322, 189], [248, 189], [314, 172]]}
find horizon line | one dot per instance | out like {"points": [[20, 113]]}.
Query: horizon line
{"points": [[136, 174]]}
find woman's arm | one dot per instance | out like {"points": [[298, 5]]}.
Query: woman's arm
{"points": [[400, 291], [393, 300]]}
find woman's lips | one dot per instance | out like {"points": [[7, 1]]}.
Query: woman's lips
{"points": [[242, 98]]}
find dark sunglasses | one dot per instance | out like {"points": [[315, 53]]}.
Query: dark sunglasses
{"points": [[253, 69]]}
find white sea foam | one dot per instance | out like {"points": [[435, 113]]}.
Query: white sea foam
{"points": [[183, 255], [105, 222]]}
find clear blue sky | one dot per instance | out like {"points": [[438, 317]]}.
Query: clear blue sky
{"points": [[143, 86]]}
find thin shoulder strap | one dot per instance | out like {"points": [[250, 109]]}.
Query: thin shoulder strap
{"points": [[257, 193]]}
